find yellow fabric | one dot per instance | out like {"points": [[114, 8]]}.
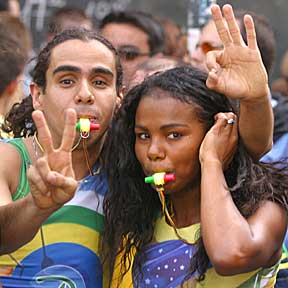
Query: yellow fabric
{"points": [[261, 278]]}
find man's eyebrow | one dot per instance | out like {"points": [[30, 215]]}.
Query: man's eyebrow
{"points": [[66, 68], [102, 70], [70, 68]]}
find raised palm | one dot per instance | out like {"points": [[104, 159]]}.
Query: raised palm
{"points": [[236, 71]]}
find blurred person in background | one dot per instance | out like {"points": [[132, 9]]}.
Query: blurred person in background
{"points": [[136, 35], [12, 6], [67, 18], [153, 66], [16, 29], [281, 84], [175, 39], [12, 61]]}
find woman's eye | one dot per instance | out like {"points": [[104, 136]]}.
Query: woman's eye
{"points": [[174, 135], [142, 136]]}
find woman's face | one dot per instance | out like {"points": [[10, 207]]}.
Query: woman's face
{"points": [[168, 138]]}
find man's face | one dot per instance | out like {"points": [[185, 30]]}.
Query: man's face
{"points": [[208, 41], [131, 43], [82, 76]]}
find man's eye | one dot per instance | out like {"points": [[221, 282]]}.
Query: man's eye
{"points": [[174, 135], [66, 82], [99, 83]]}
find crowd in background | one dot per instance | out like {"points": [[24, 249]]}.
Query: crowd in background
{"points": [[147, 46]]}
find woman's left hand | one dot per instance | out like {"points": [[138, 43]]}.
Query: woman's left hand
{"points": [[220, 142]]}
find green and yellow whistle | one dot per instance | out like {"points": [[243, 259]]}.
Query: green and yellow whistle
{"points": [[84, 126], [159, 178]]}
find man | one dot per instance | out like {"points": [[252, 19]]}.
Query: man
{"points": [[136, 35], [49, 242], [67, 18], [12, 61]]}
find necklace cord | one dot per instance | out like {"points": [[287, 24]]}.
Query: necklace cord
{"points": [[42, 149], [160, 190]]}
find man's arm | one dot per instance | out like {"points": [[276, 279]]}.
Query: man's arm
{"points": [[256, 123], [19, 222], [50, 186]]}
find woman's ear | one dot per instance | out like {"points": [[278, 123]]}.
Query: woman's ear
{"points": [[37, 96]]}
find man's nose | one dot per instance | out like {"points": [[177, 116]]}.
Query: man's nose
{"points": [[84, 95]]}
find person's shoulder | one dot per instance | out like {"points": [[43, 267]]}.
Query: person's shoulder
{"points": [[10, 163], [9, 155]]}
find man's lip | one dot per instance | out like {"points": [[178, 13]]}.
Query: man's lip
{"points": [[92, 119]]}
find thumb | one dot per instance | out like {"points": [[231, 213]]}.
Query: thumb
{"points": [[213, 59]]}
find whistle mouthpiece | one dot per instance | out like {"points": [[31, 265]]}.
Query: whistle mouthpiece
{"points": [[159, 178], [85, 126]]}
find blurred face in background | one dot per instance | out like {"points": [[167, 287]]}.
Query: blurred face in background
{"points": [[131, 43], [208, 41], [14, 8]]}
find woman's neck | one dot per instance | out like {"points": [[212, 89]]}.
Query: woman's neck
{"points": [[186, 207]]}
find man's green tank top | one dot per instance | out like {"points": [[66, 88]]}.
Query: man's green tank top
{"points": [[66, 249], [23, 186]]}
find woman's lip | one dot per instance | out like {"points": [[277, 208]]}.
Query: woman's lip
{"points": [[161, 171]]}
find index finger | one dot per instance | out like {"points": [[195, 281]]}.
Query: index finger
{"points": [[222, 29], [69, 131], [43, 132]]}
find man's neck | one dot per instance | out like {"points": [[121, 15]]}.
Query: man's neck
{"points": [[81, 165]]}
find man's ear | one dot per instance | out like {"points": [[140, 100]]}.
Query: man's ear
{"points": [[120, 97], [37, 96]]}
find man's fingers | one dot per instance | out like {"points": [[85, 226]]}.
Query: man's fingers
{"points": [[232, 25], [212, 60], [64, 188], [69, 130], [43, 132], [250, 31], [38, 187], [43, 169], [222, 29], [59, 181]]}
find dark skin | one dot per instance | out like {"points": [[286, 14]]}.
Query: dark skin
{"points": [[249, 243], [237, 71], [172, 140]]}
